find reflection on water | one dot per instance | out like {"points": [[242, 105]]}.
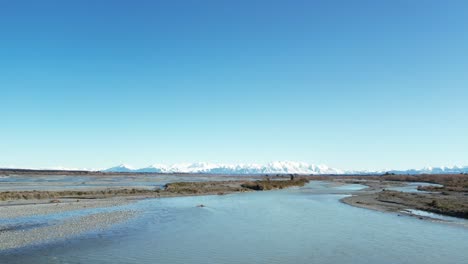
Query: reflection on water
{"points": [[299, 225]]}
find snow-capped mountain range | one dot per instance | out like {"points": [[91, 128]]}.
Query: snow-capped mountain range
{"points": [[215, 168], [279, 167]]}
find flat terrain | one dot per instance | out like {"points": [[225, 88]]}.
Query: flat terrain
{"points": [[449, 197], [169, 190], [18, 205]]}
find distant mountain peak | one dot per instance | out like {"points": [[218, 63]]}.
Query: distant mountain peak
{"points": [[121, 168]]}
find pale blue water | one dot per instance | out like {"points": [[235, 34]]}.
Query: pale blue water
{"points": [[301, 225], [413, 187], [438, 216], [67, 182]]}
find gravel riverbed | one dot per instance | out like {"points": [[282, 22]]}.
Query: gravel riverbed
{"points": [[16, 238], [24, 208]]}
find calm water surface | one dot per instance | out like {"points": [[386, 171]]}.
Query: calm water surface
{"points": [[413, 187], [302, 225], [77, 182]]}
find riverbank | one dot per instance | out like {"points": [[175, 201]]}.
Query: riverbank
{"points": [[450, 199], [24, 204], [393, 201], [271, 227], [16, 230], [13, 237], [31, 222]]}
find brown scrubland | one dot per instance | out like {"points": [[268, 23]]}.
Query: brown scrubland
{"points": [[450, 199]]}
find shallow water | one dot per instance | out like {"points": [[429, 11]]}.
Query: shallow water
{"points": [[413, 187], [435, 216], [299, 225], [67, 182]]}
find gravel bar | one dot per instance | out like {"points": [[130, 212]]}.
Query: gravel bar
{"points": [[12, 239], [43, 208]]}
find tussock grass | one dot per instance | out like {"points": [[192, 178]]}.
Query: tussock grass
{"points": [[451, 182], [447, 205], [271, 185], [215, 187]]}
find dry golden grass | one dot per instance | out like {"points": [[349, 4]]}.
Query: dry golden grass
{"points": [[271, 185], [214, 187]]}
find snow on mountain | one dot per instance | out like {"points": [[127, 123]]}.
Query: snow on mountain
{"points": [[279, 167], [434, 170]]}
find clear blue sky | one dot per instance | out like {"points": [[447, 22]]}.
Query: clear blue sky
{"points": [[351, 84]]}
